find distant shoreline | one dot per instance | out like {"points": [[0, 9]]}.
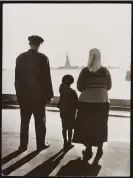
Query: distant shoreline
{"points": [[73, 67], [60, 68]]}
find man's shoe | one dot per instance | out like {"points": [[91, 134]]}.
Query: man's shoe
{"points": [[43, 148], [22, 148]]}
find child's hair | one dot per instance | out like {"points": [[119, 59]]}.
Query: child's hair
{"points": [[67, 80]]}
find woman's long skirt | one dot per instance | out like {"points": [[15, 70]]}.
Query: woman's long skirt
{"points": [[91, 126]]}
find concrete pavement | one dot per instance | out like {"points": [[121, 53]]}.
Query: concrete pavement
{"points": [[115, 161]]}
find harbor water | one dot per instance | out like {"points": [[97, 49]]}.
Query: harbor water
{"points": [[120, 87]]}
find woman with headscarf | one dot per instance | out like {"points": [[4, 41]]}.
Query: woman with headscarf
{"points": [[92, 118]]}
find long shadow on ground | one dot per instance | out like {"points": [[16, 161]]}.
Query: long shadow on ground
{"points": [[11, 156], [79, 168], [19, 163], [48, 166]]}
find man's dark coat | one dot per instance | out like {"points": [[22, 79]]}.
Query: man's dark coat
{"points": [[32, 78]]}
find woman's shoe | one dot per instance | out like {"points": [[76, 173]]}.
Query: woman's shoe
{"points": [[98, 156], [87, 155]]}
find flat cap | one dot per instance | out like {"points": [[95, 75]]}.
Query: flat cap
{"points": [[35, 39]]}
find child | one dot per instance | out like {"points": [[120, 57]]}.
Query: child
{"points": [[68, 105]]}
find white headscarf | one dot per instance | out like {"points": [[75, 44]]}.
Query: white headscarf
{"points": [[94, 62]]}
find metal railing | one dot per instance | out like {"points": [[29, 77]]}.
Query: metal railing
{"points": [[115, 104]]}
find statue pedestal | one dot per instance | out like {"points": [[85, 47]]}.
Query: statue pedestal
{"points": [[128, 76]]}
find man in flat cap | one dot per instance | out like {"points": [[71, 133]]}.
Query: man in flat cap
{"points": [[33, 89]]}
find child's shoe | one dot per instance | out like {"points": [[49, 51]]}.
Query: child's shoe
{"points": [[70, 145]]}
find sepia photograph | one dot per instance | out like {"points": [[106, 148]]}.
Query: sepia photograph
{"points": [[66, 89]]}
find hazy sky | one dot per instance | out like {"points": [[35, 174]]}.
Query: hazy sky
{"points": [[69, 28]]}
